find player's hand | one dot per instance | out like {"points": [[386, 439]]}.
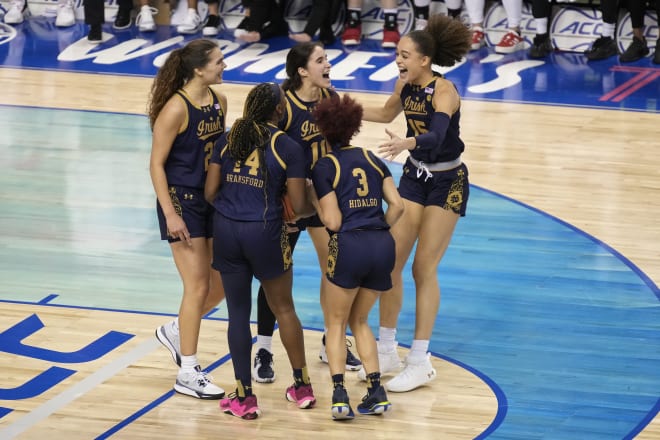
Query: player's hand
{"points": [[392, 148], [176, 228]]}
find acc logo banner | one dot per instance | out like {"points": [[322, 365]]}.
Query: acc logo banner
{"points": [[7, 33], [373, 18], [575, 28], [297, 13], [624, 31]]}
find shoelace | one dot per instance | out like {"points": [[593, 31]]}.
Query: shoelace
{"points": [[421, 169], [152, 10], [264, 358]]}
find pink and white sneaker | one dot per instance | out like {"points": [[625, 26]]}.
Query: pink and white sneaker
{"points": [[303, 396], [511, 42], [246, 409]]}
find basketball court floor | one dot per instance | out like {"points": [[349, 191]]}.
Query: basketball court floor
{"points": [[549, 325]]}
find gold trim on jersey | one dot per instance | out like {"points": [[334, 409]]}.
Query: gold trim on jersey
{"points": [[377, 168], [333, 252], [273, 138], [335, 181], [186, 120]]}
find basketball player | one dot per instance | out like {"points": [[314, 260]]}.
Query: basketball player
{"points": [[251, 167], [184, 97], [434, 186], [350, 184], [308, 82]]}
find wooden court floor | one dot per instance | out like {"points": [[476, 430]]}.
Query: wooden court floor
{"points": [[598, 170]]}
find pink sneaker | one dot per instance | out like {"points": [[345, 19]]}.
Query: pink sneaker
{"points": [[478, 38], [303, 396], [247, 409], [511, 42]]}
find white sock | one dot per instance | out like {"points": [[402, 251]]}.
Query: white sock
{"points": [[387, 339], [608, 30], [418, 350], [188, 363], [265, 342], [541, 25]]}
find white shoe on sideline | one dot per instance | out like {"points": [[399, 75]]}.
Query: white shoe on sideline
{"points": [[16, 12], [66, 15], [191, 24], [414, 375], [145, 19]]}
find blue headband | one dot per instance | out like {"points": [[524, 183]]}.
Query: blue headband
{"points": [[275, 88]]}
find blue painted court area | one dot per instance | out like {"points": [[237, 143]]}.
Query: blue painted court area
{"points": [[564, 78], [562, 324]]}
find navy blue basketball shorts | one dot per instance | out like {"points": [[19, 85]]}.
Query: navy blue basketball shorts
{"points": [[362, 258], [191, 205], [449, 189], [259, 248]]}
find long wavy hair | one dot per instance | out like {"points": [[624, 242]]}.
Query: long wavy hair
{"points": [[178, 69]]}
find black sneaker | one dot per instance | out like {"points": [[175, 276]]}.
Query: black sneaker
{"points": [[262, 371], [95, 35], [636, 51], [274, 28], [243, 27], [375, 403], [341, 408], [123, 19], [211, 27], [326, 35], [541, 47], [603, 47], [656, 57]]}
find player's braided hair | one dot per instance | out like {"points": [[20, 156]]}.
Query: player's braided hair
{"points": [[251, 131], [179, 68], [445, 40]]}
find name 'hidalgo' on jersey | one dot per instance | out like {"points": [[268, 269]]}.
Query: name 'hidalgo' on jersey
{"points": [[189, 157], [299, 124], [417, 102], [356, 176], [241, 195]]}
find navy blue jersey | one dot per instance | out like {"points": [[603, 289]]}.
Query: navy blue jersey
{"points": [[356, 176], [241, 195], [188, 160], [299, 124], [417, 102]]}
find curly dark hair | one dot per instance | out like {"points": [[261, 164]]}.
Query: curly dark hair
{"points": [[298, 57], [179, 68], [445, 40], [339, 119]]}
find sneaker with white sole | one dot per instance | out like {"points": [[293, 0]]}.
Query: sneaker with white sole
{"points": [[262, 370], [375, 403], [145, 19], [16, 12], [168, 335], [352, 362], [66, 15], [212, 26], [414, 375], [510, 43], [191, 24], [301, 395], [478, 38], [388, 361], [198, 384]]}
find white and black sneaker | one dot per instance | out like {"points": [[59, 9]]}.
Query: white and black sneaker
{"points": [[198, 384], [352, 362], [168, 335], [262, 371]]}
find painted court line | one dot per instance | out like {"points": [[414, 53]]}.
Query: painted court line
{"points": [[79, 389]]}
